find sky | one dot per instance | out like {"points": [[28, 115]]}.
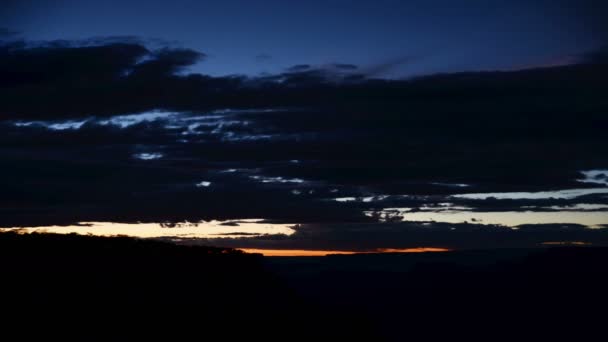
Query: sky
{"points": [[271, 126], [389, 38]]}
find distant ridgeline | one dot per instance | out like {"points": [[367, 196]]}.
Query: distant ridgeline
{"points": [[143, 289]]}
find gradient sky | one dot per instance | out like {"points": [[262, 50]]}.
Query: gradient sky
{"points": [[389, 38]]}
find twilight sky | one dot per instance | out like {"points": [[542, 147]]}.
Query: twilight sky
{"points": [[126, 117], [386, 38]]}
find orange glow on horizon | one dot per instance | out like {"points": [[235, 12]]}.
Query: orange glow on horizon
{"points": [[309, 253]]}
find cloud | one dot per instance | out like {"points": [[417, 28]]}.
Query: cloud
{"points": [[93, 77], [118, 75], [364, 237], [341, 66], [111, 129], [382, 69], [166, 63]]}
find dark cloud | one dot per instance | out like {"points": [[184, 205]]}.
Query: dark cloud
{"points": [[366, 237], [382, 69], [284, 147], [94, 77], [345, 66], [166, 63], [305, 74]]}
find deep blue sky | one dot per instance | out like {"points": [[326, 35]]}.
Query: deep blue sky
{"points": [[393, 37]]}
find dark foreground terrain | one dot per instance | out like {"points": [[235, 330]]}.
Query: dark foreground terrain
{"points": [[122, 288]]}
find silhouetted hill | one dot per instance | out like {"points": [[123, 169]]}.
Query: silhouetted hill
{"points": [[143, 289]]}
